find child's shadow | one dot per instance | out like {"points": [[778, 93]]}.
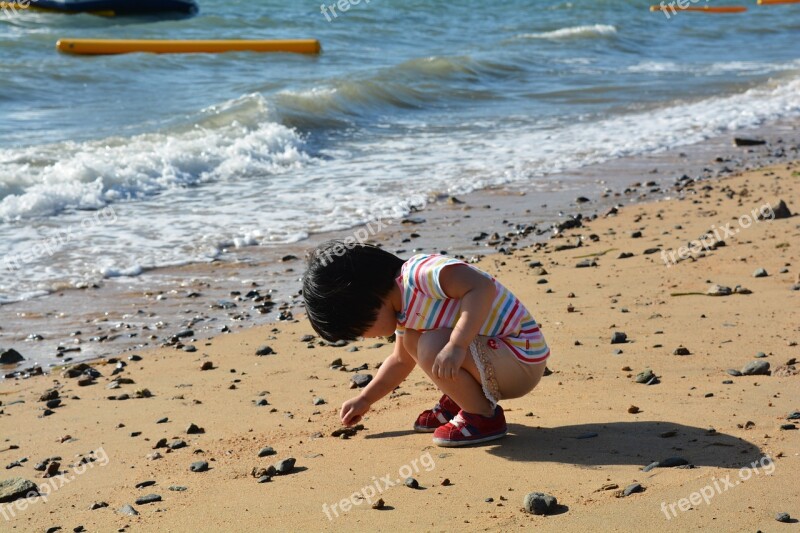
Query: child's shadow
{"points": [[623, 443]]}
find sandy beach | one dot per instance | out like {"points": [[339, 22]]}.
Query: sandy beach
{"points": [[584, 435]]}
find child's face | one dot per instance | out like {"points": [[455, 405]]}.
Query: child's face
{"points": [[386, 322]]}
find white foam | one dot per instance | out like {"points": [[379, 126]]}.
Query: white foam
{"points": [[594, 30]]}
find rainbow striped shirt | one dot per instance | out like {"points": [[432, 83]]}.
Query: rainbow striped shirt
{"points": [[427, 307]]}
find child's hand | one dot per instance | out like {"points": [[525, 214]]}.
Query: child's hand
{"points": [[448, 362], [352, 410]]}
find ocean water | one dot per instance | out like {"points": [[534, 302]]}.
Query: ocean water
{"points": [[112, 166]]}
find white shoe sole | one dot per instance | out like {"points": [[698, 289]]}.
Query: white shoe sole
{"points": [[445, 443]]}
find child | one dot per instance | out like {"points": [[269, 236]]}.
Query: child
{"points": [[466, 331]]}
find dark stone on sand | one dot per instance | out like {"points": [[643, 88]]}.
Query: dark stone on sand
{"points": [[98, 505], [162, 420], [779, 211], [651, 251], [52, 394], [52, 469], [632, 488], [208, 365], [264, 479], [794, 415], [177, 488], [788, 427], [144, 484], [361, 380], [636, 235], [760, 273], [645, 377], [52, 404], [134, 357], [10, 356], [178, 444], [199, 466], [194, 429], [16, 488], [189, 348], [379, 505], [411, 483], [266, 451], [586, 263], [307, 338], [680, 350], [783, 517], [742, 141], [756, 368], [539, 503], [733, 372], [150, 498], [286, 466], [318, 401], [625, 255], [265, 350], [728, 382], [128, 510], [619, 338]]}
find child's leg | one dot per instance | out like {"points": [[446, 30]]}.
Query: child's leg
{"points": [[466, 388], [501, 375]]}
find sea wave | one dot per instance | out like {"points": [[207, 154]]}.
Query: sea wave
{"points": [[573, 32]]}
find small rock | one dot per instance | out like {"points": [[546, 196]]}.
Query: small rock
{"points": [[318, 401], [286, 466], [631, 489], [783, 517], [719, 290], [633, 410], [150, 498], [378, 505], [733, 372], [10, 356], [756, 368], [788, 427], [360, 380], [145, 484], [97, 505], [680, 350], [446, 482], [266, 451], [199, 466], [760, 273], [177, 488], [539, 503], [586, 263], [778, 212], [128, 510], [411, 483], [266, 350], [207, 365], [178, 444], [619, 338], [645, 377], [794, 415], [16, 488], [193, 429]]}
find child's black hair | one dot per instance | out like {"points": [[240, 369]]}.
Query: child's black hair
{"points": [[344, 287]]}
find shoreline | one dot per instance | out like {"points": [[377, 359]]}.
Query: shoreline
{"points": [[139, 312], [587, 431]]}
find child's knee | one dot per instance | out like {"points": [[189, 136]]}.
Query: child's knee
{"points": [[430, 344]]}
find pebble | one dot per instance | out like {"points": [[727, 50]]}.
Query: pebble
{"points": [[794, 415], [645, 377], [97, 505], [10, 356], [760, 273], [411, 483], [162, 420], [318, 401], [189, 348], [15, 488], [150, 498], [631, 489], [680, 350], [586, 263], [719, 290], [177, 488], [199, 466], [128, 510], [193, 429], [446, 482], [788, 427], [378, 505], [208, 365], [619, 338], [756, 368], [760, 355], [783, 517], [633, 410], [267, 350], [286, 466], [178, 444], [733, 372], [539, 503], [266, 451], [360, 380], [144, 484]]}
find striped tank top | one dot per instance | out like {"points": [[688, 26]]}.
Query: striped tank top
{"points": [[427, 307]]}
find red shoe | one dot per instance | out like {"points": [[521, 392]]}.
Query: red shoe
{"points": [[467, 428], [442, 412]]}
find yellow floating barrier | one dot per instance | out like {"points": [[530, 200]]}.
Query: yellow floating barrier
{"points": [[123, 46], [776, 2], [700, 9]]}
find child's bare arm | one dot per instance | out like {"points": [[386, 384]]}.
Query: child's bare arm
{"points": [[392, 372], [476, 292]]}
